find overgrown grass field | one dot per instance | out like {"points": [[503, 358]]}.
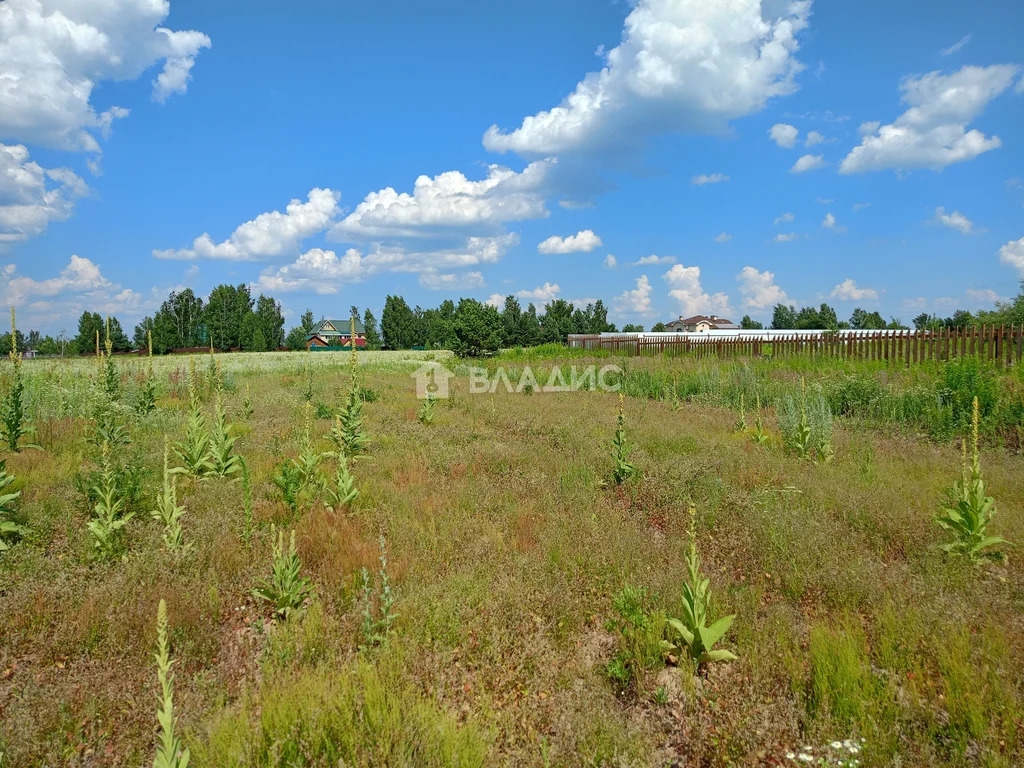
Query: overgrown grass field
{"points": [[505, 585]]}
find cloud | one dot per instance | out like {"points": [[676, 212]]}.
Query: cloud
{"points": [[807, 163], [682, 65], [932, 132], [784, 135], [80, 276], [323, 271], [653, 260], [723, 237], [785, 237], [495, 300], [447, 203], [450, 281], [582, 242], [636, 301], [610, 261], [957, 45], [759, 290], [984, 296], [704, 178], [56, 53], [848, 291], [954, 220], [32, 196], [825, 200], [542, 293], [685, 287], [787, 216], [829, 222], [1012, 254], [269, 234], [813, 138], [860, 206]]}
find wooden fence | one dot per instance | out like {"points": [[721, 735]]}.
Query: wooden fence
{"points": [[1003, 344]]}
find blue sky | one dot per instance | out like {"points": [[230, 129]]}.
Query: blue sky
{"points": [[668, 156]]}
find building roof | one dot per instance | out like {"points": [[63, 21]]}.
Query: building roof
{"points": [[342, 327], [713, 320]]}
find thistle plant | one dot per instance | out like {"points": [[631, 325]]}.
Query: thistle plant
{"points": [[377, 628], [426, 411], [222, 461], [968, 511], [691, 632], [624, 469], [289, 481], [109, 516], [194, 450], [286, 589], [9, 530], [741, 423], [13, 416], [344, 492], [167, 509], [169, 750]]}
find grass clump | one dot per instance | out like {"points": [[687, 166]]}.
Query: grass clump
{"points": [[9, 530], [639, 631], [807, 426]]}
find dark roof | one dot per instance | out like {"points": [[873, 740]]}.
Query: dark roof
{"points": [[719, 322]]}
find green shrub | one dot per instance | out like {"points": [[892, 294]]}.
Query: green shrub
{"points": [[639, 630]]}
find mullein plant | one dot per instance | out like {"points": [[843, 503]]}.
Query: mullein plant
{"points": [[247, 511], [169, 750], [145, 400], [624, 469], [286, 589], [426, 411], [167, 509], [759, 435], [968, 510], [344, 492], [247, 407], [9, 530], [13, 416], [741, 424], [109, 516], [377, 628], [308, 461], [674, 403], [194, 450], [111, 376], [222, 460], [351, 436], [691, 632]]}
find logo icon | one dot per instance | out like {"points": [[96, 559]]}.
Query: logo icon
{"points": [[432, 381]]}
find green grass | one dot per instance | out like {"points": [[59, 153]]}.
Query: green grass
{"points": [[507, 547]]}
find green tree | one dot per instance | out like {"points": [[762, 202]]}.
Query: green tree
{"points": [[863, 320], [556, 323], [88, 325], [511, 317], [118, 338], [599, 319], [749, 324], [227, 316], [528, 333], [1006, 312], [478, 328], [296, 339], [397, 323], [306, 321], [370, 329], [783, 317], [659, 327], [632, 328], [269, 321]]}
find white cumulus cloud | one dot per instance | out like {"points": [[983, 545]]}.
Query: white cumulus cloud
{"points": [[685, 287], [582, 242], [849, 291], [829, 222], [542, 293], [785, 237], [932, 132], [610, 261], [653, 260], [636, 301], [957, 45], [808, 163], [1012, 254], [32, 196], [786, 217], [54, 53], [723, 237], [759, 290], [681, 65], [784, 135], [269, 234], [451, 281], [954, 220], [813, 137]]}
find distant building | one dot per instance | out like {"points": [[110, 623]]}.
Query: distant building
{"points": [[335, 333], [701, 323]]}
